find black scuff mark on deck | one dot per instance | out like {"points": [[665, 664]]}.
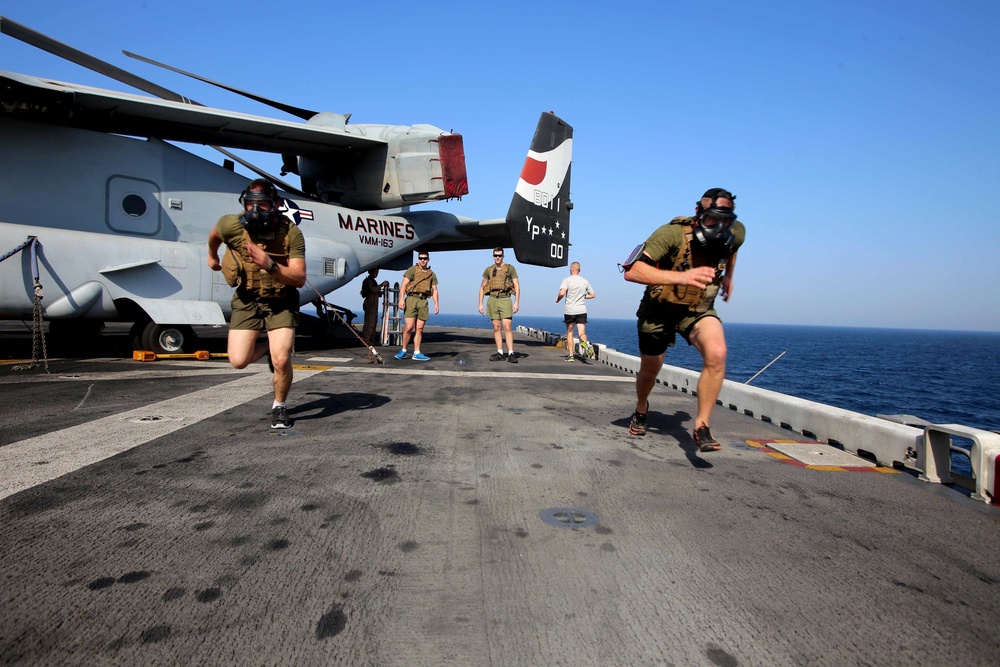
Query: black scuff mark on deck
{"points": [[174, 593], [409, 546], [332, 623], [383, 475], [720, 656], [133, 577], [155, 634], [208, 595], [402, 448]]}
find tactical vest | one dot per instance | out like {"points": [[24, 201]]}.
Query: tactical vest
{"points": [[697, 299], [421, 283], [239, 269], [501, 284]]}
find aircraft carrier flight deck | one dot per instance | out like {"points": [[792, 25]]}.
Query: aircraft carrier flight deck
{"points": [[456, 512]]}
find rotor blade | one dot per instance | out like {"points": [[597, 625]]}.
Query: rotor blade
{"points": [[263, 174], [304, 114], [45, 43]]}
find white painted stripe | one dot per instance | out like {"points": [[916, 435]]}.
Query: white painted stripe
{"points": [[482, 374], [331, 360], [37, 460], [144, 374]]}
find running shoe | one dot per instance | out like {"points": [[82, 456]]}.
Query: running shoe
{"points": [[706, 443], [511, 357], [569, 357], [279, 417], [589, 349], [638, 424], [420, 356], [497, 356], [400, 355]]}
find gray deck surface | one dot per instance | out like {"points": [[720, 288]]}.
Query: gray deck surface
{"points": [[150, 516]]}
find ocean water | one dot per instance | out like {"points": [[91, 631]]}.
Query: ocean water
{"points": [[945, 377]]}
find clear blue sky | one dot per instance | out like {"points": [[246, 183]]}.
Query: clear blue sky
{"points": [[861, 137]]}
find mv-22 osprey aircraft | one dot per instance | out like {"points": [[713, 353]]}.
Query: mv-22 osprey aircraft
{"points": [[112, 221]]}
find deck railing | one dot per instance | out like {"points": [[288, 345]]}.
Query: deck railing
{"points": [[886, 442]]}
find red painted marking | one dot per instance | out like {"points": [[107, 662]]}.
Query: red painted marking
{"points": [[534, 171]]}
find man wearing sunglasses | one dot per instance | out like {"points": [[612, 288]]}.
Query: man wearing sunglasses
{"points": [[499, 282], [419, 282]]}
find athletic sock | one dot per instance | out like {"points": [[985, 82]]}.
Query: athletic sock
{"points": [[276, 404]]}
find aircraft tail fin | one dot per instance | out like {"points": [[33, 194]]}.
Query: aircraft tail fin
{"points": [[538, 218]]}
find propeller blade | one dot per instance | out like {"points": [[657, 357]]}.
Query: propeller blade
{"points": [[46, 43], [298, 112]]}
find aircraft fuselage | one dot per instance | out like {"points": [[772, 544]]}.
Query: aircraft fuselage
{"points": [[123, 222]]}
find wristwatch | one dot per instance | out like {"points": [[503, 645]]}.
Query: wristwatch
{"points": [[273, 267]]}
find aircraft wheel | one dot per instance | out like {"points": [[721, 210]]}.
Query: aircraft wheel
{"points": [[136, 332], [168, 338]]}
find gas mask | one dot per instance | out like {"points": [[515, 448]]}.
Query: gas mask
{"points": [[715, 222], [712, 230], [259, 209]]}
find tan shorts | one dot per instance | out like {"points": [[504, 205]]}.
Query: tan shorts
{"points": [[499, 308], [264, 314], [416, 306]]}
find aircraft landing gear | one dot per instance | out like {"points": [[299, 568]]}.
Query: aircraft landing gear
{"points": [[163, 338]]}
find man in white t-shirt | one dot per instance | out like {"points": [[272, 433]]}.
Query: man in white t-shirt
{"points": [[577, 290]]}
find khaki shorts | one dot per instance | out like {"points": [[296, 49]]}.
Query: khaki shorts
{"points": [[264, 314], [416, 306], [500, 308]]}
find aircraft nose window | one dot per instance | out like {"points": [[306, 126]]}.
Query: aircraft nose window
{"points": [[134, 205]]}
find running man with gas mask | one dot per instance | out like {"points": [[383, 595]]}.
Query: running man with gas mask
{"points": [[265, 262], [684, 265]]}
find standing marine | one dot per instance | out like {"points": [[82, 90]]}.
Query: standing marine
{"points": [[419, 283], [499, 282], [371, 290]]}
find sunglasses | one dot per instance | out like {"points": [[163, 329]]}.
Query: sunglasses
{"points": [[422, 259], [498, 255]]}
